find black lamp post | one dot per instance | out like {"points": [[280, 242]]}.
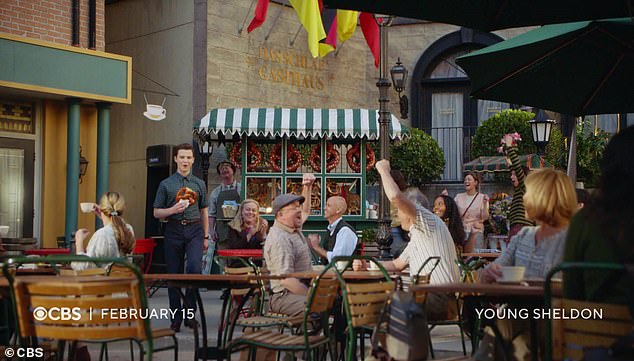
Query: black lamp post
{"points": [[206, 149], [383, 233], [541, 127], [399, 79]]}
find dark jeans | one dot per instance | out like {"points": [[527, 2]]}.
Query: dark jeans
{"points": [[183, 240]]}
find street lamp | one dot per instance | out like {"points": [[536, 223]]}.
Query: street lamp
{"points": [[399, 79], [384, 232], [83, 166], [541, 127], [206, 149]]}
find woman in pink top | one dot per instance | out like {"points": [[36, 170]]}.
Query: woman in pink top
{"points": [[474, 210]]}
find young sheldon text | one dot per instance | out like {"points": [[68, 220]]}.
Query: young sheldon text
{"points": [[507, 313]]}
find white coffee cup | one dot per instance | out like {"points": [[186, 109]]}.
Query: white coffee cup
{"points": [[4, 230], [512, 273], [86, 207], [155, 111], [373, 266]]}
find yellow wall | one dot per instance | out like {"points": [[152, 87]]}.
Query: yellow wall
{"points": [[54, 169]]}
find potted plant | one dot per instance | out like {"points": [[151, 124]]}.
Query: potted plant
{"points": [[419, 158]]}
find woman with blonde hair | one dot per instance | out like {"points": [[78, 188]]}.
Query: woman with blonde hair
{"points": [[247, 229], [114, 239], [551, 201]]}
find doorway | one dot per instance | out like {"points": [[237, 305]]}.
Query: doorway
{"points": [[17, 161]]}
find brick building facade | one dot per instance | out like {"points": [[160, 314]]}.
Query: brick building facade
{"points": [[51, 20]]}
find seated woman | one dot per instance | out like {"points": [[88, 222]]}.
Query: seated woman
{"points": [[247, 230], [550, 201], [114, 239], [447, 210]]}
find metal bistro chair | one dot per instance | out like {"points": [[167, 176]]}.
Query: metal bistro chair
{"points": [[320, 301], [120, 270], [86, 296], [455, 317], [362, 302], [255, 317], [145, 247], [566, 339]]}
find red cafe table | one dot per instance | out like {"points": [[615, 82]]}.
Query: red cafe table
{"points": [[246, 253], [46, 251]]}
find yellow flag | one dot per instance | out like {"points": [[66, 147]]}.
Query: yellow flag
{"points": [[346, 23], [310, 17]]}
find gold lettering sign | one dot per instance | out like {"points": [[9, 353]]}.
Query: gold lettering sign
{"points": [[17, 117], [291, 68]]}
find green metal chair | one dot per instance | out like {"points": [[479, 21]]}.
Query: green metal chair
{"points": [[362, 301], [566, 339], [319, 302], [424, 276], [85, 295], [256, 316]]}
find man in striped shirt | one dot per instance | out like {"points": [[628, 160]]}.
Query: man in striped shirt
{"points": [[429, 237]]}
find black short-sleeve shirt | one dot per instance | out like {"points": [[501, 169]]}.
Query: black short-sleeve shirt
{"points": [[169, 187]]}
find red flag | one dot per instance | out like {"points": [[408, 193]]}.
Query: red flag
{"points": [[260, 15], [371, 33], [329, 19]]}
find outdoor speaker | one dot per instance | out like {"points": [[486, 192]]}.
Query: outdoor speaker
{"points": [[159, 155]]}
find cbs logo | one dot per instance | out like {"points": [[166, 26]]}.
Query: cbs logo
{"points": [[57, 313]]}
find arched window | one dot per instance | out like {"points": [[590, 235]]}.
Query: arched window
{"points": [[441, 103]]}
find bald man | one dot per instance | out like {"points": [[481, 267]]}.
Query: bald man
{"points": [[341, 239]]}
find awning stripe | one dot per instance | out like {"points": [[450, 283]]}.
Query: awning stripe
{"points": [[332, 125], [246, 115], [301, 122], [356, 121]]}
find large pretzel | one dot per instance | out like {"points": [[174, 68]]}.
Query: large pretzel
{"points": [[353, 156], [235, 156], [276, 158], [254, 157], [332, 158], [294, 158], [186, 194]]}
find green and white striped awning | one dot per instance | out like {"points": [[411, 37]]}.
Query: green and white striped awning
{"points": [[299, 122], [500, 164]]}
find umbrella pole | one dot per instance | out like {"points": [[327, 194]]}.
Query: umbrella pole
{"points": [[572, 152]]}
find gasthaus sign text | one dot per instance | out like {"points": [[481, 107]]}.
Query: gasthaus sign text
{"points": [[291, 68]]}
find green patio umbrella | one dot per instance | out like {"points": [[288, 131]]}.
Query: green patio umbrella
{"points": [[491, 14], [500, 164], [573, 68]]}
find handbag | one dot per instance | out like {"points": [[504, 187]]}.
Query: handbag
{"points": [[623, 348], [405, 321]]}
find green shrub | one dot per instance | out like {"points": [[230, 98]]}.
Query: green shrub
{"points": [[419, 157], [590, 149], [487, 137]]}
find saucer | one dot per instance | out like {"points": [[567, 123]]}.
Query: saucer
{"points": [[154, 117], [510, 282]]}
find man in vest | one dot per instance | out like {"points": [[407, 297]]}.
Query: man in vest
{"points": [[341, 239]]}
